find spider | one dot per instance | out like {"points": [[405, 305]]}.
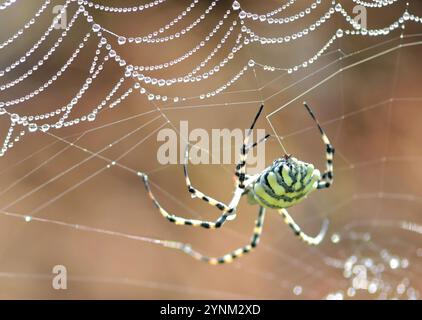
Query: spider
{"points": [[283, 184]]}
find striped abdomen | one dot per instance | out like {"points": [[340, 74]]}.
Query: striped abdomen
{"points": [[286, 182]]}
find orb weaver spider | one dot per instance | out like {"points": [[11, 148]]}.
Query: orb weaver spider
{"points": [[283, 184]]}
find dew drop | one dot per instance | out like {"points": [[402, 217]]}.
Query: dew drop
{"points": [[236, 5], [335, 238], [297, 290], [32, 127], [121, 40], [96, 27], [91, 117], [394, 263], [45, 127]]}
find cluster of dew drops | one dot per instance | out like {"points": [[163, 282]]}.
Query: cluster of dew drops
{"points": [[377, 273]]}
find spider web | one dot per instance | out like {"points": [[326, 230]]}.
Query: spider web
{"points": [[70, 195]]}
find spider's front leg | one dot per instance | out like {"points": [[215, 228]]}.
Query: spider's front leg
{"points": [[197, 193], [327, 177], [184, 221], [243, 180], [227, 210], [241, 166]]}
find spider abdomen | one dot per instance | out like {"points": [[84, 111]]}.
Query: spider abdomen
{"points": [[286, 182]]}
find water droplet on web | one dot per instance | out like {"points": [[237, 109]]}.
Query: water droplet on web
{"points": [[236, 5], [335, 238], [32, 127], [351, 292], [45, 127], [394, 263], [121, 40], [297, 290], [14, 117], [372, 288], [96, 27], [401, 288]]}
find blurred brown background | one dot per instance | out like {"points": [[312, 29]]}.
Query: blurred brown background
{"points": [[371, 112]]}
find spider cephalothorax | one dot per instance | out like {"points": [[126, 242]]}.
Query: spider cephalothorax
{"points": [[283, 184]]}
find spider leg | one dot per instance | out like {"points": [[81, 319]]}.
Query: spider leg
{"points": [[198, 194], [253, 145], [249, 179], [229, 257], [189, 222], [228, 211], [298, 231], [327, 178], [241, 166]]}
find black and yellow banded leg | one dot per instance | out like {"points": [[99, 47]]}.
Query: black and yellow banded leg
{"points": [[229, 257], [298, 231], [241, 166], [327, 178], [198, 194], [183, 221]]}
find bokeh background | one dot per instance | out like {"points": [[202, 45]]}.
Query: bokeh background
{"points": [[366, 91]]}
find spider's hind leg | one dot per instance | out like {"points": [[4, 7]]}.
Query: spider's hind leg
{"points": [[229, 257], [298, 231]]}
